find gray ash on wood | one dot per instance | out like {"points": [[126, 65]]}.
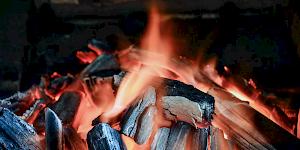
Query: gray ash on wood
{"points": [[206, 101], [15, 133]]}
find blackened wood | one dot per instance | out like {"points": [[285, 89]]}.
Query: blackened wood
{"points": [[205, 101], [103, 62], [16, 133], [103, 137], [54, 135], [198, 139], [131, 118], [179, 133], [59, 84], [67, 105], [160, 139]]}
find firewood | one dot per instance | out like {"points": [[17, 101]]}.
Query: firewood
{"points": [[178, 136], [54, 135], [198, 139], [246, 127], [186, 103], [16, 133], [65, 107], [103, 62], [160, 139], [130, 120], [145, 125], [218, 141], [103, 137]]}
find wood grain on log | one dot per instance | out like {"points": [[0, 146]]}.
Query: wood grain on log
{"points": [[130, 120], [16, 133], [160, 139], [246, 127], [198, 139], [103, 137], [179, 134]]}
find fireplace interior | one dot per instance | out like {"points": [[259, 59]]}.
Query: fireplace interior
{"points": [[154, 74]]}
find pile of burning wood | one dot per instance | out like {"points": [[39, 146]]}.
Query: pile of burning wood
{"points": [[145, 98]]}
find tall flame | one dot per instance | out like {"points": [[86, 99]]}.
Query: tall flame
{"points": [[156, 51]]}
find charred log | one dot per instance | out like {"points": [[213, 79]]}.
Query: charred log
{"points": [[66, 108], [16, 133], [103, 62], [178, 136], [102, 136], [130, 120], [160, 139], [205, 101]]}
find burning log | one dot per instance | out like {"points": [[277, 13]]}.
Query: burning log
{"points": [[246, 127], [145, 125], [65, 114], [102, 136], [130, 120], [181, 136], [16, 133], [178, 136], [103, 62], [199, 137], [218, 141], [187, 103], [54, 135], [160, 139], [181, 103]]}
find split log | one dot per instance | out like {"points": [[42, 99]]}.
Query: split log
{"points": [[198, 140], [16, 133], [66, 107], [103, 137], [177, 139], [145, 125], [246, 127], [186, 103], [218, 141], [54, 135], [160, 139], [130, 120], [182, 103]]}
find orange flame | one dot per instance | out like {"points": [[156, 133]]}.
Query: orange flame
{"points": [[135, 82]]}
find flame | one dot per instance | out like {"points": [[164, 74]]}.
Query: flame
{"points": [[155, 53]]}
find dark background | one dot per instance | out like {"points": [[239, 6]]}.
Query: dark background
{"points": [[256, 39]]}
